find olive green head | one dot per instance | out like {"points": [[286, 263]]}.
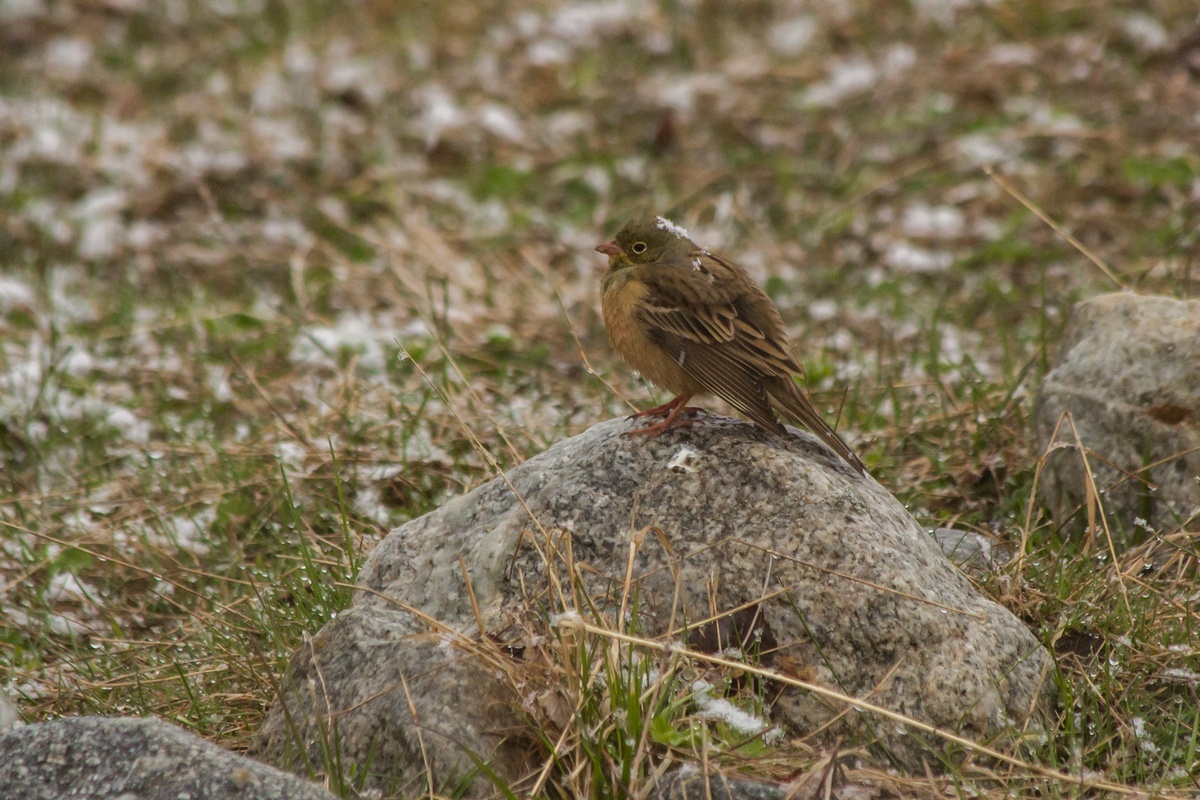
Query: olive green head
{"points": [[645, 240]]}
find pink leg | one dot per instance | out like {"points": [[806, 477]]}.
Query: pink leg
{"points": [[676, 406]]}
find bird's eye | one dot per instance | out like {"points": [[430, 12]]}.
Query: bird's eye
{"points": [[638, 248]]}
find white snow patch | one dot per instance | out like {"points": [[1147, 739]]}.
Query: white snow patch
{"points": [[585, 23], [500, 121], [933, 222], [439, 113], [568, 617], [281, 138], [101, 231], [666, 225], [1139, 732], [898, 58], [368, 501], [130, 426], [943, 12], [319, 346], [1181, 674], [14, 294], [1145, 32], [720, 709], [291, 454], [790, 37], [907, 257], [68, 57], [846, 78], [980, 149], [78, 362], [13, 10], [822, 310], [190, 532], [1011, 54], [65, 587]]}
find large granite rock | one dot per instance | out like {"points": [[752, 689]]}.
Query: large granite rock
{"points": [[724, 513], [1129, 376], [122, 758]]}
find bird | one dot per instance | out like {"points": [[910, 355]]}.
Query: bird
{"points": [[695, 323]]}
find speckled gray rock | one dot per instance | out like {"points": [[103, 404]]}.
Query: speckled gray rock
{"points": [[96, 758], [1129, 374], [385, 688], [860, 596]]}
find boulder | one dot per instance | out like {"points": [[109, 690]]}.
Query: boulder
{"points": [[123, 758], [848, 590], [1128, 374]]}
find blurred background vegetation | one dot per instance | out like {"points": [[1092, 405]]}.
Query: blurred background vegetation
{"points": [[230, 231]]}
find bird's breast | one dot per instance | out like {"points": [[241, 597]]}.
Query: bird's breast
{"points": [[631, 338]]}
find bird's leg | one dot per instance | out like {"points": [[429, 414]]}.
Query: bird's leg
{"points": [[672, 421], [667, 407]]}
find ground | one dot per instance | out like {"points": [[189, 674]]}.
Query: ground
{"points": [[275, 277]]}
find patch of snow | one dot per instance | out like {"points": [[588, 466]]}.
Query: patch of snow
{"points": [[585, 23], [319, 346], [567, 617], [548, 53], [790, 37], [439, 113], [822, 310], [101, 231], [132, 427], [932, 222], [666, 225], [720, 709], [1145, 32], [368, 501], [846, 78], [281, 138], [14, 294], [980, 149], [65, 587], [1011, 54], [501, 121], [906, 257], [13, 10], [190, 532], [291, 454], [68, 57], [898, 57]]}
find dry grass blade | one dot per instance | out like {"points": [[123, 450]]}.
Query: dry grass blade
{"points": [[1044, 217], [863, 705]]}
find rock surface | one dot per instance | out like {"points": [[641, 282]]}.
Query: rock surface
{"points": [[724, 514], [1129, 375], [96, 758]]}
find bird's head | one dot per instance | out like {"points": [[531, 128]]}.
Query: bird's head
{"points": [[647, 239]]}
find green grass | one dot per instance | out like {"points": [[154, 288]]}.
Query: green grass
{"points": [[228, 239]]}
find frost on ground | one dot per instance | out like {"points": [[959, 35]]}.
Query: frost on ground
{"points": [[269, 281]]}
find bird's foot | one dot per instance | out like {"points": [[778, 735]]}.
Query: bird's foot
{"points": [[659, 428], [675, 407], [672, 408]]}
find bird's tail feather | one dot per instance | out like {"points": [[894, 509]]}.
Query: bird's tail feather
{"points": [[791, 401]]}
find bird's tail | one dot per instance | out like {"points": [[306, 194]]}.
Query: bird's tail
{"points": [[794, 405]]}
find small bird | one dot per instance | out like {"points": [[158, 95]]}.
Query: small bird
{"points": [[695, 324]]}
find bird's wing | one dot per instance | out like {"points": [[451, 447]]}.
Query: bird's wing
{"points": [[709, 303], [695, 313]]}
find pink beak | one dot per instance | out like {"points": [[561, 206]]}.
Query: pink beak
{"points": [[609, 248]]}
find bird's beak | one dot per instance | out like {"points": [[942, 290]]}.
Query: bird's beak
{"points": [[609, 248]]}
